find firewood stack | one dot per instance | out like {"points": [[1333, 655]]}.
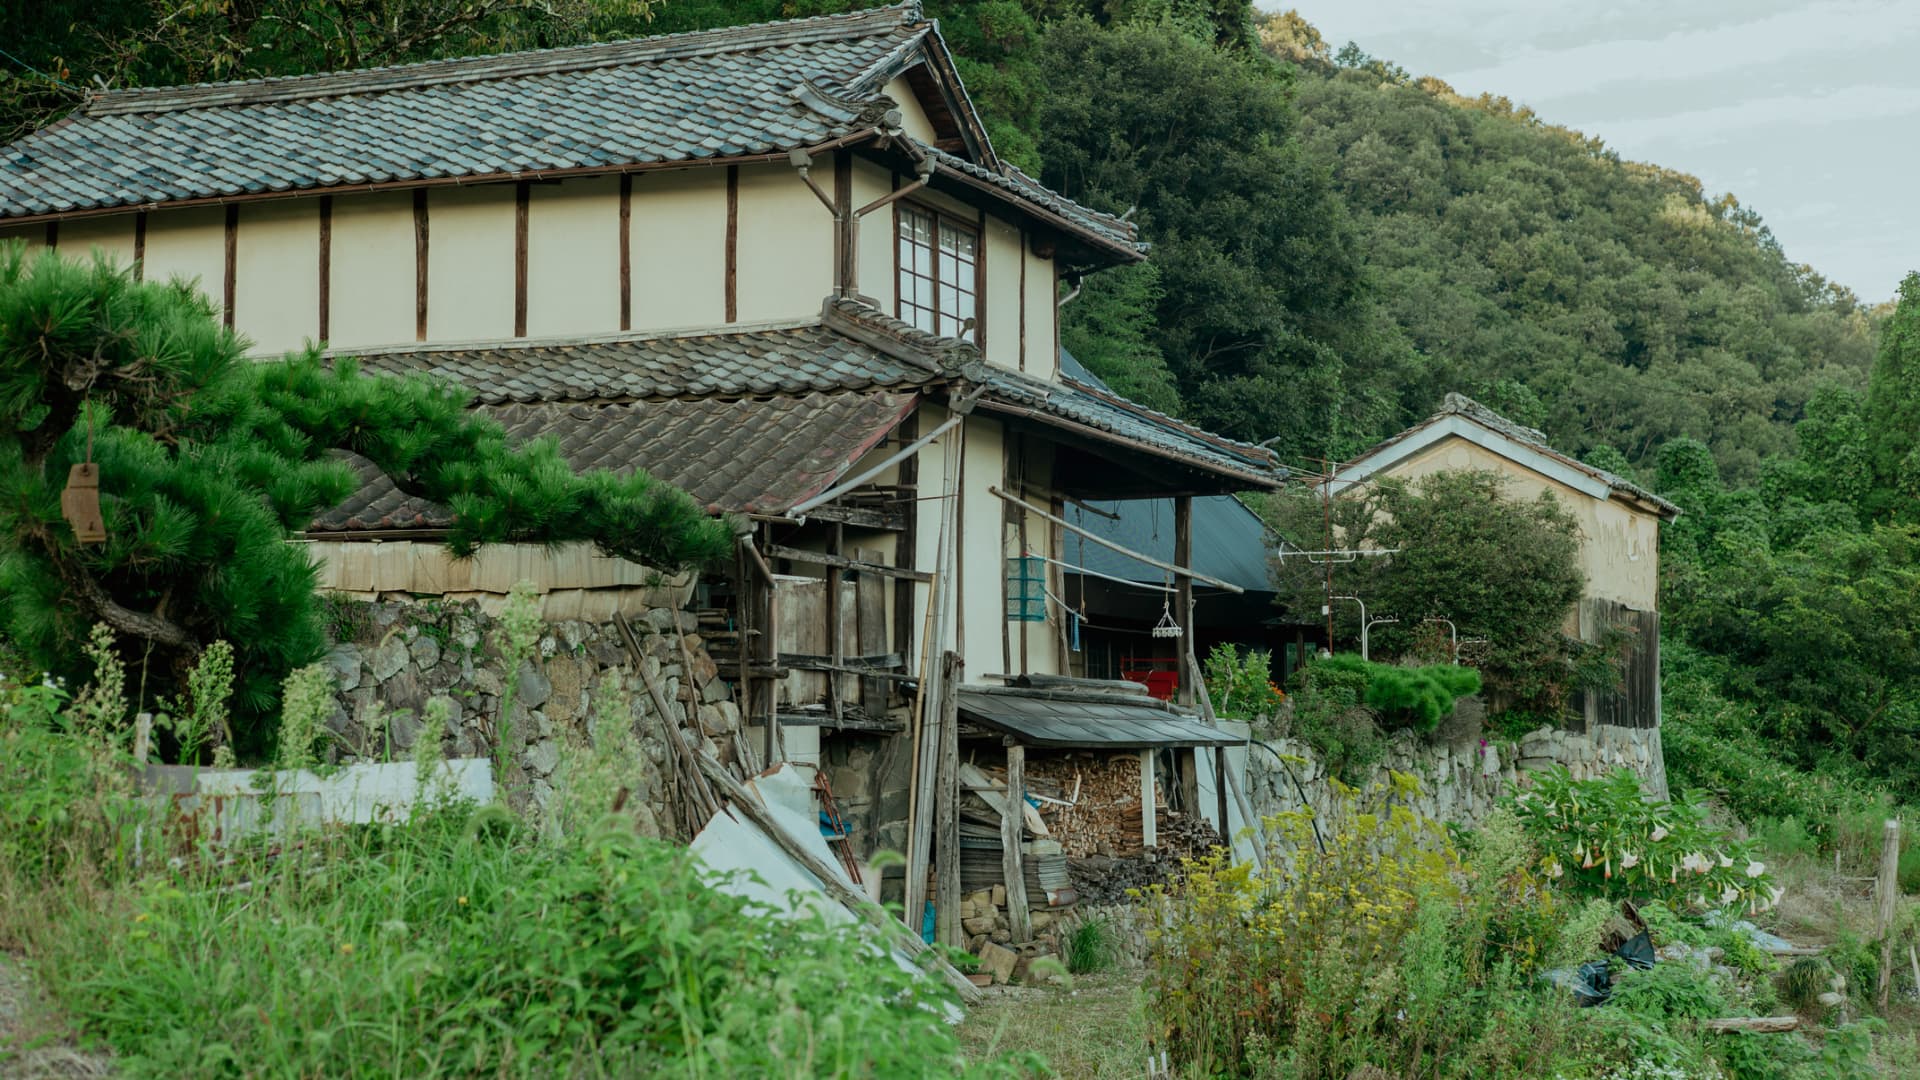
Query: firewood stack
{"points": [[1103, 879], [1104, 790]]}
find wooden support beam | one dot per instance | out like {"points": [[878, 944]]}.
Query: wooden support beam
{"points": [[733, 244], [1183, 591], [420, 263], [522, 198], [232, 271], [1012, 826], [626, 251], [815, 558], [946, 819], [835, 641], [1149, 811], [326, 268]]}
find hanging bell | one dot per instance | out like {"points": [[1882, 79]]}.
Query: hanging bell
{"points": [[80, 504]]}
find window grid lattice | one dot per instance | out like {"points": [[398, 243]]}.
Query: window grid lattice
{"points": [[938, 261]]}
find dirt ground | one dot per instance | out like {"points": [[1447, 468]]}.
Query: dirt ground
{"points": [[32, 1046]]}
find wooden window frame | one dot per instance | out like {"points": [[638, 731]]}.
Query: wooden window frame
{"points": [[973, 283]]}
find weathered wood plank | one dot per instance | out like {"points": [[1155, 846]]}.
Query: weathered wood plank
{"points": [[818, 558], [946, 821], [1012, 825]]}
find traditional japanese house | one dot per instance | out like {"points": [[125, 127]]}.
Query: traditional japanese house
{"points": [[780, 266]]}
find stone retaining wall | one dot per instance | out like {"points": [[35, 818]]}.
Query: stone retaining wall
{"points": [[1460, 782], [398, 655]]}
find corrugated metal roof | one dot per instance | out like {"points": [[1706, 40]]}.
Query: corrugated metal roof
{"points": [[1039, 718]]}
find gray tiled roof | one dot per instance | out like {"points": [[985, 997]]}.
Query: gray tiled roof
{"points": [[635, 367], [672, 98], [715, 94], [800, 445], [1046, 719], [1116, 415]]}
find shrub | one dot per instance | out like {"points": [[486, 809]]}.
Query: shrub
{"points": [[1326, 963], [1418, 698], [1090, 946], [1240, 683], [1606, 837]]}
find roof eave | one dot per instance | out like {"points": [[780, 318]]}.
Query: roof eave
{"points": [[1243, 479]]}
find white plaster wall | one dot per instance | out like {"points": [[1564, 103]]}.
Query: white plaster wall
{"points": [[914, 118], [1042, 358], [877, 231], [276, 294], [983, 550], [1619, 546], [785, 264], [111, 236], [573, 257], [371, 290], [1003, 246], [191, 244], [679, 253], [469, 263]]}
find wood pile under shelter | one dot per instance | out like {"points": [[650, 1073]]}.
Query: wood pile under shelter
{"points": [[1058, 773]]}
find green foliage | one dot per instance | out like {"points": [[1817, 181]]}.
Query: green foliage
{"points": [[1606, 838], [1110, 328], [1668, 992], [1418, 698], [457, 943], [1262, 314], [1893, 407], [1090, 945], [1329, 712], [1336, 964], [1505, 571], [1240, 683], [208, 461]]}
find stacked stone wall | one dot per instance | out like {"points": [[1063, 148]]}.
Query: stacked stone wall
{"points": [[395, 656]]}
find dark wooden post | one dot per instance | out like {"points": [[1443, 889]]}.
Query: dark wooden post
{"points": [[1183, 594], [1012, 825], [946, 821], [1220, 794]]}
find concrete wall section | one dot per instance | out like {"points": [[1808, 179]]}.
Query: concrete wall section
{"points": [[276, 299], [785, 254], [679, 237], [189, 244], [469, 263], [371, 285], [573, 257]]}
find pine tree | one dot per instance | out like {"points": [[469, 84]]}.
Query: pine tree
{"points": [[207, 464]]}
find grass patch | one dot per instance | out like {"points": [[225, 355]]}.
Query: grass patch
{"points": [[1093, 1029]]}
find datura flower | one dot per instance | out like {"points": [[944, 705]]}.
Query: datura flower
{"points": [[1756, 868], [1659, 833], [1629, 860]]}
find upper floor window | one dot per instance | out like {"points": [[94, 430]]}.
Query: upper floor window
{"points": [[939, 258]]}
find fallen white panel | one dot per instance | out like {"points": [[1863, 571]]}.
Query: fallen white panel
{"points": [[231, 803], [749, 864]]}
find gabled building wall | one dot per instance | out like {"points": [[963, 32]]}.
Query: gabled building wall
{"points": [[1619, 546]]}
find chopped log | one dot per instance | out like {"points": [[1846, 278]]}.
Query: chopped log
{"points": [[897, 935], [1757, 1024]]}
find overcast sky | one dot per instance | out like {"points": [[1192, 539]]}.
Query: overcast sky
{"points": [[1808, 112]]}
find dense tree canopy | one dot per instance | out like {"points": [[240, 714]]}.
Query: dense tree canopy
{"points": [[1465, 548], [207, 462]]}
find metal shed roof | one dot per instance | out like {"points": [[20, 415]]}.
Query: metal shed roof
{"points": [[1065, 720]]}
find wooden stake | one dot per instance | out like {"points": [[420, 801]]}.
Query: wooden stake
{"points": [[1012, 823], [1149, 810], [1888, 893], [1758, 1024]]}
